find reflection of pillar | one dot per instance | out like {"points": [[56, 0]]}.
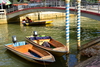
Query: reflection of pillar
{"points": [[78, 23], [67, 63], [78, 57], [67, 24]]}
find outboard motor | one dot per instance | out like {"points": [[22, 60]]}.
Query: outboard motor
{"points": [[14, 40], [35, 33]]}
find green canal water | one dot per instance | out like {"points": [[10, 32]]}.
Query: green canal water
{"points": [[89, 29]]}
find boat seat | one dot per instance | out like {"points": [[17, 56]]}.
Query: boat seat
{"points": [[19, 43], [27, 53], [40, 54], [46, 44], [53, 44]]}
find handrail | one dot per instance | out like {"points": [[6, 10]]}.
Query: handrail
{"points": [[84, 5], [2, 13]]}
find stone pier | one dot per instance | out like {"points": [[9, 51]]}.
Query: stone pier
{"points": [[3, 18]]}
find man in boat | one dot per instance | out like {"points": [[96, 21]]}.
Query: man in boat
{"points": [[23, 21], [46, 44], [28, 20]]}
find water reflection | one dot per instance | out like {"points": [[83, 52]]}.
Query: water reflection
{"points": [[3, 33], [57, 31]]}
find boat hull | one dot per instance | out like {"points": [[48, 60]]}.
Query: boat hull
{"points": [[29, 58], [59, 49], [37, 23]]}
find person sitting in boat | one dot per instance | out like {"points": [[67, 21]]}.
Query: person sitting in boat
{"points": [[23, 21], [46, 44], [28, 20]]}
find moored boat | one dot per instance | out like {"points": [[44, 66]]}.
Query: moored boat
{"points": [[48, 43], [31, 52], [38, 23]]}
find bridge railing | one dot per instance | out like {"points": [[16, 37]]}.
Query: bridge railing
{"points": [[2, 14], [40, 4], [84, 5], [88, 6]]}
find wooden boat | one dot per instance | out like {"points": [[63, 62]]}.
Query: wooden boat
{"points": [[48, 44], [91, 48], [42, 22], [31, 52]]}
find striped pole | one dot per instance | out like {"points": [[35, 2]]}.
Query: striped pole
{"points": [[78, 23], [67, 24]]}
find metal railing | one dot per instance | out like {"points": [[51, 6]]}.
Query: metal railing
{"points": [[84, 5], [2, 14], [40, 4]]}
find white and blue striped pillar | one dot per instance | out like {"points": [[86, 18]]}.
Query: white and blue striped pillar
{"points": [[67, 23], [78, 23]]}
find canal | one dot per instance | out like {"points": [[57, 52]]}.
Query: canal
{"points": [[89, 29]]}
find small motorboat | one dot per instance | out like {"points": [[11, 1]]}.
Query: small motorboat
{"points": [[41, 22], [47, 43], [30, 52]]}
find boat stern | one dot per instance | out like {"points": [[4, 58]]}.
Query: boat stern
{"points": [[49, 21]]}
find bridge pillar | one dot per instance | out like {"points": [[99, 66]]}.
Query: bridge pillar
{"points": [[3, 18]]}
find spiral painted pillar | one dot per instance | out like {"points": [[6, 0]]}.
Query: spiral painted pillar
{"points": [[78, 23], [67, 24]]}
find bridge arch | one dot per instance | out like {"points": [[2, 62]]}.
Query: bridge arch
{"points": [[35, 9], [84, 13]]}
